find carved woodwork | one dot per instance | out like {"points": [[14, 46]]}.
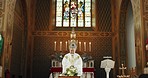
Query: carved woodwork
{"points": [[2, 10]]}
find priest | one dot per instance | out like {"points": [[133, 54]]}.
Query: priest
{"points": [[72, 62]]}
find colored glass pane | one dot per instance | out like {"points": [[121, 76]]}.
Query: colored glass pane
{"points": [[80, 13], [66, 13], [58, 21], [73, 13], [87, 13], [59, 13]]}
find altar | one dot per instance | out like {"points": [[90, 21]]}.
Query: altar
{"points": [[56, 69], [87, 72]]}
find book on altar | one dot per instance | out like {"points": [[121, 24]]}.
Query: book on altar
{"points": [[107, 63]]}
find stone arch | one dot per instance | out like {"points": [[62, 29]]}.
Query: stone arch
{"points": [[122, 19], [9, 32], [138, 34]]}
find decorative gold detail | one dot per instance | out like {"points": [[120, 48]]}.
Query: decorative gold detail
{"points": [[73, 43], [2, 4], [1, 23], [79, 34], [145, 5]]}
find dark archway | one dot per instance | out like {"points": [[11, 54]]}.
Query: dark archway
{"points": [[122, 32], [19, 35]]}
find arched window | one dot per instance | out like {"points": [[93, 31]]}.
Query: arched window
{"points": [[73, 13]]}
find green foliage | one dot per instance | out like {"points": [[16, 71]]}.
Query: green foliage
{"points": [[71, 71], [1, 44]]}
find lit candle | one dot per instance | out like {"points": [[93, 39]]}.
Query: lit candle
{"points": [[70, 35], [84, 46], [60, 45], [66, 45], [74, 35], [79, 46], [90, 46], [55, 46]]}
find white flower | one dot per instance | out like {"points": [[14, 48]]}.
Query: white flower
{"points": [[71, 71]]}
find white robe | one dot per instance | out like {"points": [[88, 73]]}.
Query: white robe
{"points": [[74, 60]]}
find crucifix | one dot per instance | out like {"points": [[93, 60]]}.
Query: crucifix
{"points": [[122, 68]]}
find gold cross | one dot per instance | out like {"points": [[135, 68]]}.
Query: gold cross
{"points": [[122, 68]]}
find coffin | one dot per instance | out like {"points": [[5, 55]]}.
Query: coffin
{"points": [[69, 77]]}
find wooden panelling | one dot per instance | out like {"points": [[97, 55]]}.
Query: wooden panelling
{"points": [[103, 15], [42, 15]]}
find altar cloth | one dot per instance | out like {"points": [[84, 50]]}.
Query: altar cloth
{"points": [[85, 71]]}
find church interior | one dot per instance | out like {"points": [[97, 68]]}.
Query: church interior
{"points": [[35, 33]]}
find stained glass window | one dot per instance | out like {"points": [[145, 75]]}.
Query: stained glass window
{"points": [[73, 13]]}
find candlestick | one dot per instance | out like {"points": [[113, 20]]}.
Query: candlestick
{"points": [[90, 46], [79, 46], [66, 45], [55, 46], [60, 45], [84, 46]]}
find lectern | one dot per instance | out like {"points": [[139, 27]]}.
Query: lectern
{"points": [[69, 77], [107, 64]]}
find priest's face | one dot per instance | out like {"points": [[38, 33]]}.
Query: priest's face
{"points": [[72, 50]]}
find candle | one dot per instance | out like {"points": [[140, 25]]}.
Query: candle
{"points": [[60, 45], [55, 46], [79, 46], [74, 35], [90, 46], [70, 35], [84, 46], [66, 45]]}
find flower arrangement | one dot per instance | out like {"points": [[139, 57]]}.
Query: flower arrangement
{"points": [[71, 71]]}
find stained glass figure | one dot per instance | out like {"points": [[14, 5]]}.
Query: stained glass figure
{"points": [[73, 10], [80, 13], [66, 10], [66, 14]]}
